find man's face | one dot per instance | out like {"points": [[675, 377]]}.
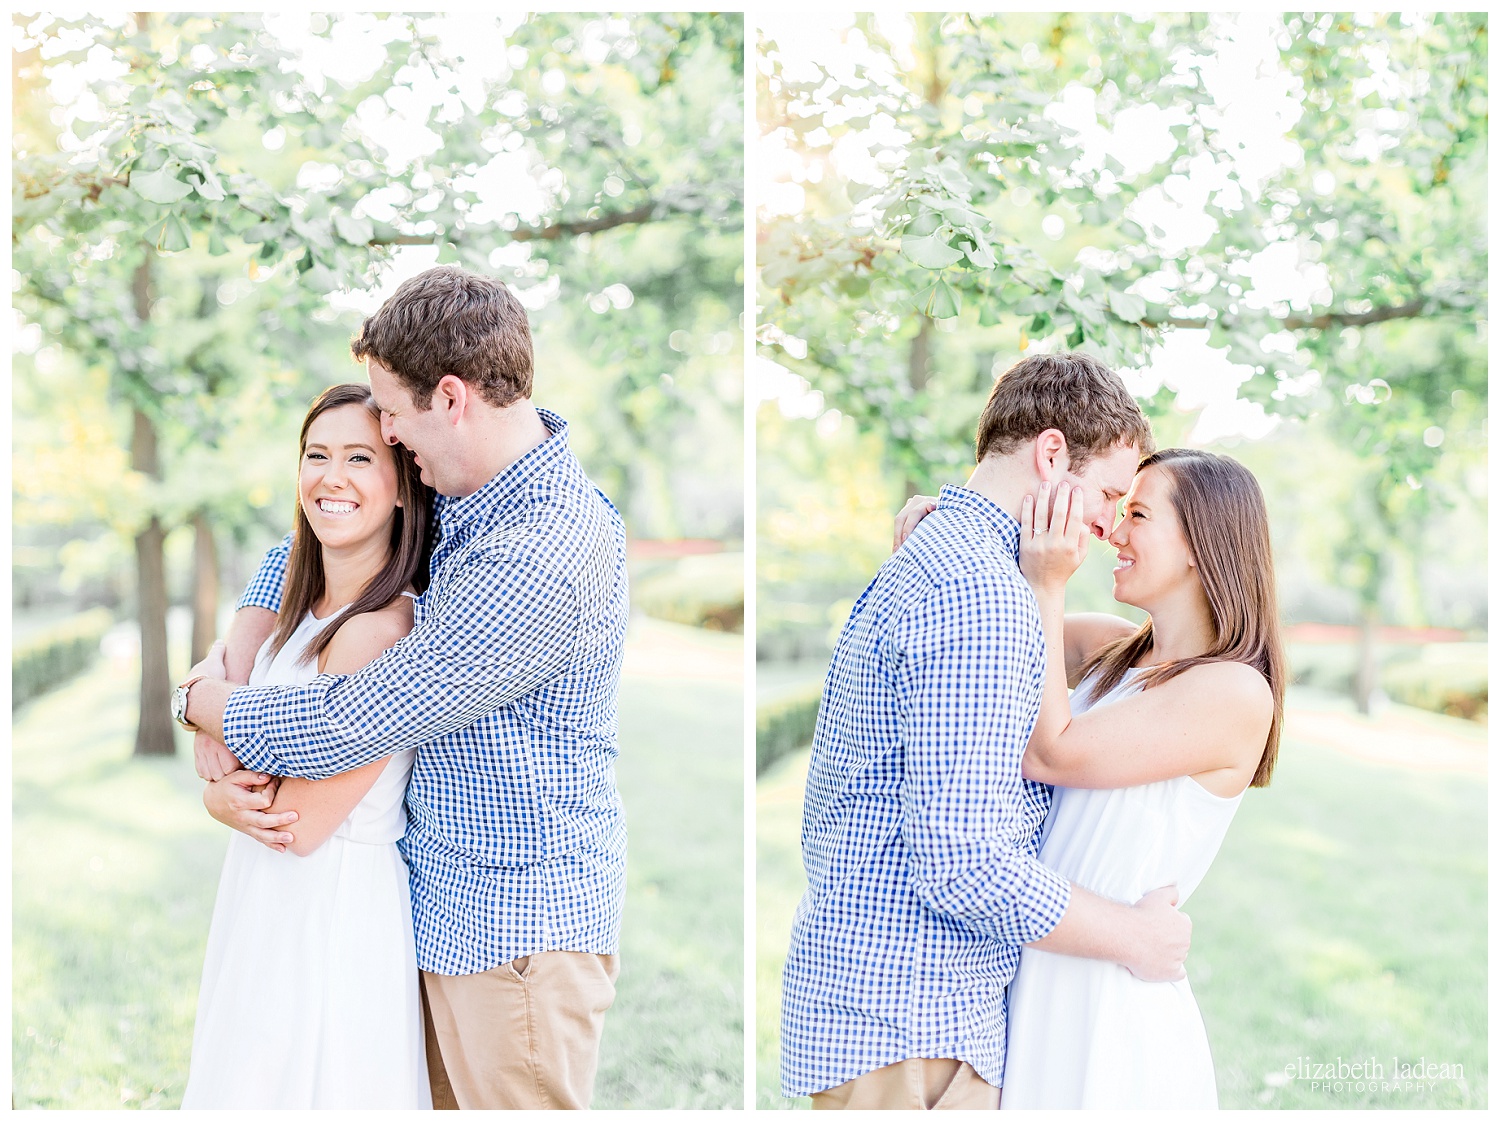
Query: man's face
{"points": [[1104, 480], [420, 431]]}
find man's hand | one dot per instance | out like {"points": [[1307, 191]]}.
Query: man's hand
{"points": [[211, 758], [242, 800], [1162, 938]]}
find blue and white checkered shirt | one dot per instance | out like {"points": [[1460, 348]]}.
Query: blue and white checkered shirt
{"points": [[507, 687], [919, 834]]}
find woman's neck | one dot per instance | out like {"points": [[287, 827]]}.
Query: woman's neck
{"points": [[1181, 628], [346, 573]]}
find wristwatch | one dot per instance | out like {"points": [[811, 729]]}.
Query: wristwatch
{"points": [[180, 702]]}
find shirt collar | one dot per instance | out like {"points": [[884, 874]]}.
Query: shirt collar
{"points": [[995, 517], [514, 478]]}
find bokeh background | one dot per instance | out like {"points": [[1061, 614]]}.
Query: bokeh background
{"points": [[204, 208], [1275, 228]]}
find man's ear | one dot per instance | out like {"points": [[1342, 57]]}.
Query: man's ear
{"points": [[1051, 449], [452, 394]]}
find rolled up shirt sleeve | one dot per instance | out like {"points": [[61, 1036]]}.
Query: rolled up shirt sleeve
{"points": [[264, 589], [497, 630], [968, 694]]}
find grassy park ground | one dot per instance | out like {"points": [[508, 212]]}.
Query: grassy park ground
{"points": [[1345, 917], [115, 865]]}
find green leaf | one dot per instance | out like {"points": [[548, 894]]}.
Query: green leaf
{"points": [[926, 222], [930, 252], [981, 256], [855, 285], [989, 312], [216, 246], [355, 231], [174, 235], [159, 186], [320, 279], [1128, 306], [211, 189], [944, 301]]}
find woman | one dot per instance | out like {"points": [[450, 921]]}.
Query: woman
{"points": [[1170, 723], [309, 995]]}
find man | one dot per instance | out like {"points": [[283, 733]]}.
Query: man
{"points": [[507, 685], [919, 834]]}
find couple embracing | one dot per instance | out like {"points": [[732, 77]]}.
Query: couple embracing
{"points": [[422, 904], [994, 866]]}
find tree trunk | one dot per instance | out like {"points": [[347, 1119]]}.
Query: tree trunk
{"points": [[154, 733], [153, 736], [205, 586]]}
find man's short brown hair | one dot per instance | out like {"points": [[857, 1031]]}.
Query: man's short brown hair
{"points": [[451, 321], [1074, 393]]}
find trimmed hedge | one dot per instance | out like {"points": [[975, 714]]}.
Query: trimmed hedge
{"points": [[1457, 686], [48, 658], [1451, 678], [786, 724], [705, 591]]}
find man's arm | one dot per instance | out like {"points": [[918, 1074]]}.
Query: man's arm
{"points": [[496, 631], [968, 699], [967, 695], [1150, 938]]}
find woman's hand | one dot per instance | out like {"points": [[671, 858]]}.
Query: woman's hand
{"points": [[917, 508], [241, 800], [1054, 541]]}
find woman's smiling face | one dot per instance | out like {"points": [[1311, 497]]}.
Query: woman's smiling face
{"points": [[347, 480], [1154, 554]]}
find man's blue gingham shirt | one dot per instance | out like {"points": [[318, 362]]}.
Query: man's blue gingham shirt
{"points": [[507, 686], [919, 834]]}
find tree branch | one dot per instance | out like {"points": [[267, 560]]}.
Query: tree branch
{"points": [[643, 213], [1409, 310], [646, 212]]}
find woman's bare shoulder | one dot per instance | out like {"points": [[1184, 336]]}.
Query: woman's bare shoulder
{"points": [[366, 636], [1224, 689]]}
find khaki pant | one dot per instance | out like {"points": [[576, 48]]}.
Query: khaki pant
{"points": [[919, 1084], [523, 1035]]}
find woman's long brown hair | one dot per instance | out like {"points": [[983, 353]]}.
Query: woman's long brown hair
{"points": [[1223, 516], [411, 540]]}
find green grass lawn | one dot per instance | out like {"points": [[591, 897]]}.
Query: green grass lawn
{"points": [[1345, 918], [115, 864]]}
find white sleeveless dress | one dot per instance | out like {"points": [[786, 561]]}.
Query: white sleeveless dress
{"points": [[1088, 1034], [309, 995]]}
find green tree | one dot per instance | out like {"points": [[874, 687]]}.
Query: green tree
{"points": [[1090, 181], [206, 152]]}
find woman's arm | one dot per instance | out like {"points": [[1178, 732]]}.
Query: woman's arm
{"points": [[1209, 722], [1210, 719], [1086, 632], [321, 805]]}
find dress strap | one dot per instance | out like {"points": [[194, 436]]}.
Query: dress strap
{"points": [[413, 595]]}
